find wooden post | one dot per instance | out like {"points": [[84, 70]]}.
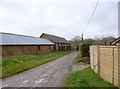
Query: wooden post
{"points": [[113, 66], [98, 60]]}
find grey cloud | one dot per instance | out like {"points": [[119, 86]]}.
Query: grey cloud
{"points": [[66, 19]]}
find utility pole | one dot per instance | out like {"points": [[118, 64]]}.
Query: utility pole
{"points": [[82, 37]]}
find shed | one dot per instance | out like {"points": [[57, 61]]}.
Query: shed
{"points": [[61, 43], [14, 44]]}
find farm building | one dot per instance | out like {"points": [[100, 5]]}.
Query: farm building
{"points": [[13, 44], [61, 44], [116, 42]]}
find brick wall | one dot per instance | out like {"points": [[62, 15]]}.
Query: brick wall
{"points": [[24, 50], [105, 61], [46, 49]]}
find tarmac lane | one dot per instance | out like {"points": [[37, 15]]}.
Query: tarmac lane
{"points": [[51, 74]]}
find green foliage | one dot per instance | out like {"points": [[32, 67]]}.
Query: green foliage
{"points": [[79, 58], [85, 59], [13, 65], [86, 78], [85, 50]]}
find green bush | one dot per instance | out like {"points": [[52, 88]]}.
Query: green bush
{"points": [[85, 50]]}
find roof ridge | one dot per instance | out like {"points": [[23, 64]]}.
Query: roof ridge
{"points": [[55, 38], [54, 35]]}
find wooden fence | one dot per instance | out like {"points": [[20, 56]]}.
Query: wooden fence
{"points": [[105, 61]]}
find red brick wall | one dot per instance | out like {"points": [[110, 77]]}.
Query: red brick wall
{"points": [[45, 49], [24, 50]]}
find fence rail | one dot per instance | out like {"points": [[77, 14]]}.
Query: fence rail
{"points": [[105, 61]]}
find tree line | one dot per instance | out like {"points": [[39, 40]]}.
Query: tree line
{"points": [[76, 42]]}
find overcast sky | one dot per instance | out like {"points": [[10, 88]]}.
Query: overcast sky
{"points": [[65, 18]]}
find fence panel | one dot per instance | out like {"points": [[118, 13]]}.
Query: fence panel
{"points": [[106, 62], [94, 55]]}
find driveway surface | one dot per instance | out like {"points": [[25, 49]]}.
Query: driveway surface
{"points": [[51, 74]]}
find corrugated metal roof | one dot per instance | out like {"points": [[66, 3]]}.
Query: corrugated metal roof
{"points": [[14, 39], [55, 39]]}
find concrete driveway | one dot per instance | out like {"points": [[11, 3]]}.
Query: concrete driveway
{"points": [[51, 74]]}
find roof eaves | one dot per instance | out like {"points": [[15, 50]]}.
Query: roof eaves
{"points": [[115, 41]]}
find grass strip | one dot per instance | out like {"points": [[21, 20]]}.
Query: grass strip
{"points": [[79, 58], [87, 78], [14, 65]]}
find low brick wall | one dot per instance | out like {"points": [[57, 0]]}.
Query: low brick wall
{"points": [[105, 61]]}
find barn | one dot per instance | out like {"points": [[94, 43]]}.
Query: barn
{"points": [[61, 44], [14, 44]]}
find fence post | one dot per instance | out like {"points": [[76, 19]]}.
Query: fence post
{"points": [[113, 66], [98, 62]]}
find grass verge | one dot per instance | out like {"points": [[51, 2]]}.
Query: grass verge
{"points": [[87, 78], [79, 58], [14, 65]]}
